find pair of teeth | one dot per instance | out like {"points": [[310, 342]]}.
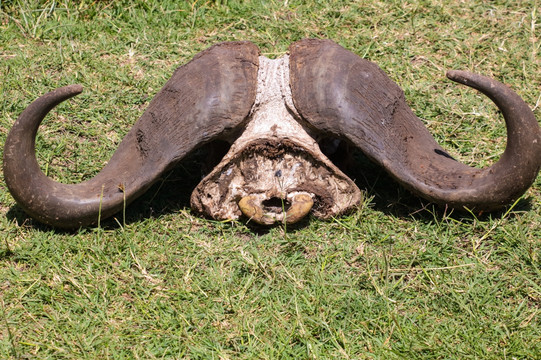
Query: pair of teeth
{"points": [[251, 206]]}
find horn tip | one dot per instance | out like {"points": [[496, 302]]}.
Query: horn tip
{"points": [[75, 88], [458, 76]]}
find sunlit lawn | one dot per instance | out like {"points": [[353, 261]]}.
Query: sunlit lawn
{"points": [[397, 278]]}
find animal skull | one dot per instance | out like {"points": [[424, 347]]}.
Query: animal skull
{"points": [[275, 157], [273, 112]]}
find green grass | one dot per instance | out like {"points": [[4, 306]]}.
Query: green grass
{"points": [[396, 279]]}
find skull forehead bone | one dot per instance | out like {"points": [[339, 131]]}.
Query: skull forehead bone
{"points": [[272, 112]]}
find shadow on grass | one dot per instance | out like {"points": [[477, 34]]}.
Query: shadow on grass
{"points": [[172, 194]]}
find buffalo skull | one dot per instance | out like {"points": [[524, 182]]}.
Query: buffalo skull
{"points": [[275, 114]]}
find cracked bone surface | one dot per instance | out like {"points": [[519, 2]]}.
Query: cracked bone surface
{"points": [[275, 165]]}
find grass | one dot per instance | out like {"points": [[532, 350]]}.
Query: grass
{"points": [[397, 278]]}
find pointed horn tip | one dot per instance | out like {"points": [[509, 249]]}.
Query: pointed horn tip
{"points": [[62, 93], [460, 76], [74, 89], [487, 85]]}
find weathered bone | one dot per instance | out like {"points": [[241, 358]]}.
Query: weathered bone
{"points": [[275, 157]]}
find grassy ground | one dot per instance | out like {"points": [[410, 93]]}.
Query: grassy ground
{"points": [[397, 278]]}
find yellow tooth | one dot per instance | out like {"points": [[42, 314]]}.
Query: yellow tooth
{"points": [[251, 208], [300, 206]]}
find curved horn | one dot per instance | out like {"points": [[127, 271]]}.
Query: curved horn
{"points": [[210, 95], [337, 92]]}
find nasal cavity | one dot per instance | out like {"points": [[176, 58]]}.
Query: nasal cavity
{"points": [[275, 205]]}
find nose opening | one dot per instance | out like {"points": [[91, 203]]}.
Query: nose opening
{"points": [[276, 205], [268, 211]]}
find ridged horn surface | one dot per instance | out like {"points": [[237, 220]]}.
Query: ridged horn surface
{"points": [[339, 93], [210, 95]]}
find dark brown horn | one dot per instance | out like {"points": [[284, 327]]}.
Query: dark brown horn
{"points": [[210, 95], [339, 93]]}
